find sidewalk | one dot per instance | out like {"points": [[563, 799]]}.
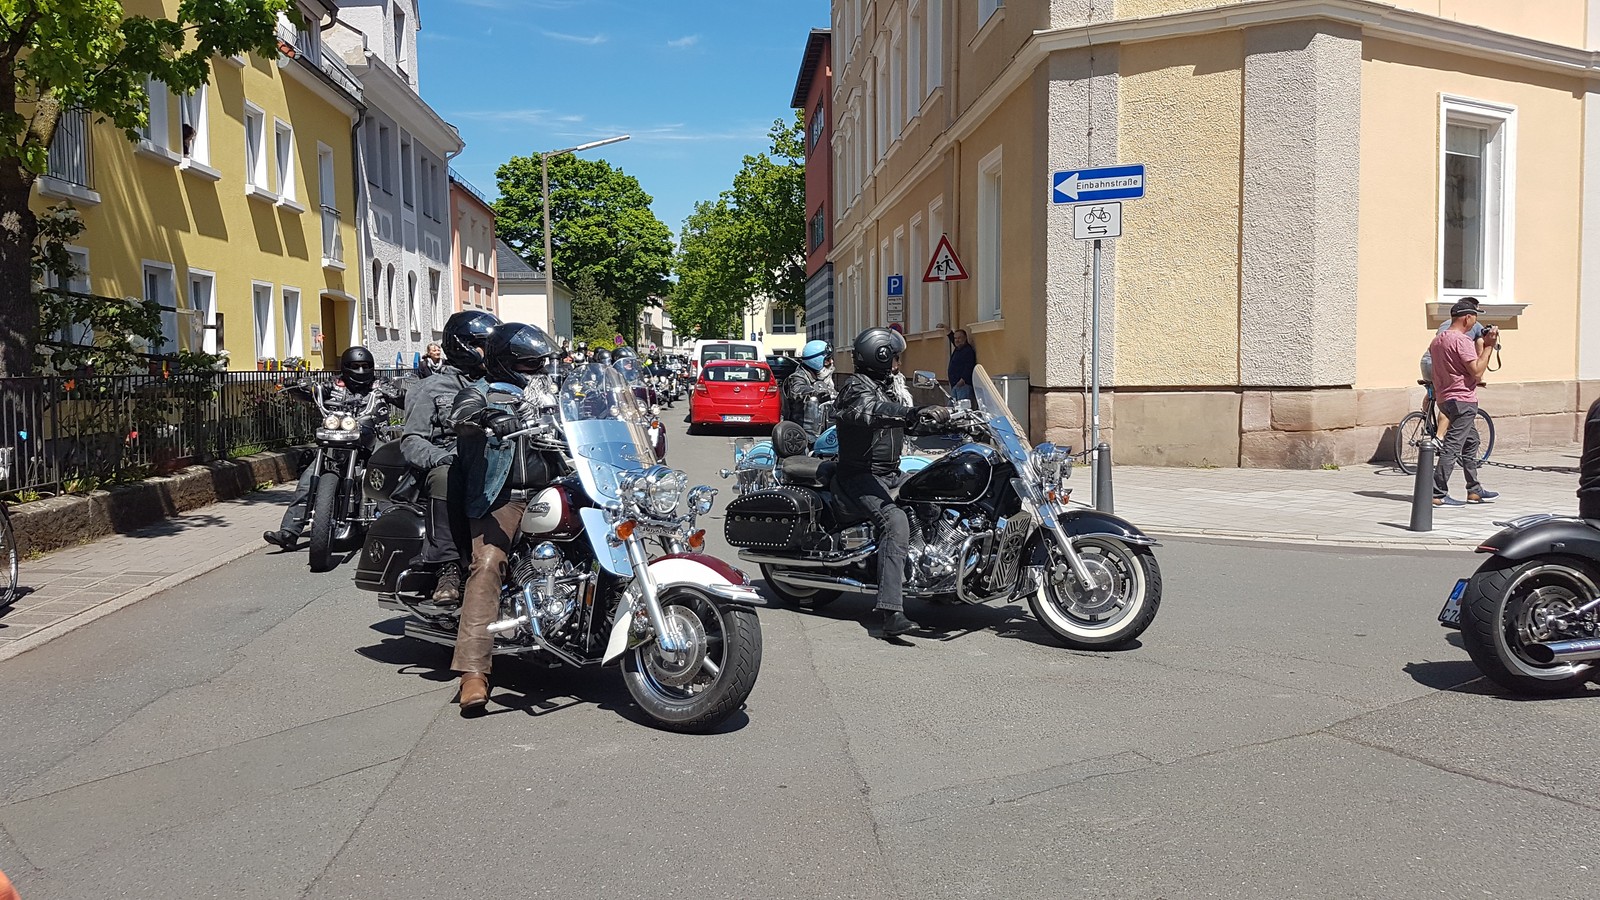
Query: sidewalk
{"points": [[1356, 506], [73, 587]]}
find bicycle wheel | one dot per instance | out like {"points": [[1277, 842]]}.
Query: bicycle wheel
{"points": [[1485, 426], [8, 559], [1407, 437]]}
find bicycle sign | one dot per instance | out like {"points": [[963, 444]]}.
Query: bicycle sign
{"points": [[1093, 221]]}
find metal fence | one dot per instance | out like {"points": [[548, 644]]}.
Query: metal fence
{"points": [[69, 434]]}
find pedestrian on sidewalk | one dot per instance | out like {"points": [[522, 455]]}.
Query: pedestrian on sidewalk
{"points": [[432, 360], [963, 359], [1458, 366]]}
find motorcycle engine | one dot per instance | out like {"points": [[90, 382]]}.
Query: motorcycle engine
{"points": [[936, 541], [557, 591]]}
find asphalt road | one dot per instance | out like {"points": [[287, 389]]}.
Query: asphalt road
{"points": [[1294, 724]]}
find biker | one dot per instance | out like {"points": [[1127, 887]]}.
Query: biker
{"points": [[428, 444], [872, 422], [498, 476], [812, 379], [358, 373]]}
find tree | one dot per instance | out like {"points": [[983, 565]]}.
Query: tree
{"points": [[749, 244], [593, 315], [601, 223], [58, 55]]}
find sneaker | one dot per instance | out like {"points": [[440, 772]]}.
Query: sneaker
{"points": [[448, 588], [1481, 496], [1448, 501]]}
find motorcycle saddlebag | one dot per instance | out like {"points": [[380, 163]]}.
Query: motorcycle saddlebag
{"points": [[772, 519], [391, 542]]}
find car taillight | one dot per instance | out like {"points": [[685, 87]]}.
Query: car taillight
{"points": [[701, 388], [771, 388]]}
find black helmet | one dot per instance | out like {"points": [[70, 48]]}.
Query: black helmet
{"points": [[875, 351], [624, 353], [465, 333], [603, 357], [358, 369], [516, 351]]}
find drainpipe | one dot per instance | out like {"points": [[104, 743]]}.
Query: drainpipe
{"points": [[358, 314]]}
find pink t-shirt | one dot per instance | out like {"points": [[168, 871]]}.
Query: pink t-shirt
{"points": [[1453, 354]]}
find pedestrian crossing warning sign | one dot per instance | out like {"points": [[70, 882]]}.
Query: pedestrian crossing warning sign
{"points": [[944, 266]]}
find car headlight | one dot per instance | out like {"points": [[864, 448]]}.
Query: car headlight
{"points": [[348, 423], [701, 498], [660, 490], [330, 422]]}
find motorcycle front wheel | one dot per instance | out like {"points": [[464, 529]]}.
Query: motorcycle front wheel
{"points": [[1506, 607], [695, 689], [323, 512], [1113, 614]]}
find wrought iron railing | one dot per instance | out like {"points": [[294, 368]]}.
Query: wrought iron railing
{"points": [[69, 149], [72, 434], [307, 48]]}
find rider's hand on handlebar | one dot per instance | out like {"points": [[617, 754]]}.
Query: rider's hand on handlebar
{"points": [[934, 415], [502, 423]]}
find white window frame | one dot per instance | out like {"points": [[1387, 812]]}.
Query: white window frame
{"points": [[283, 159], [987, 9], [195, 106], [79, 282], [266, 332], [937, 293], [255, 154], [790, 319], [880, 103], [935, 54], [898, 260], [916, 28], [168, 274], [375, 291], [411, 302], [408, 177], [204, 304], [897, 79], [916, 295], [1500, 194], [991, 221], [289, 299], [156, 132]]}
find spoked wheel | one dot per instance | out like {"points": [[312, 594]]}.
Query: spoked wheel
{"points": [[1485, 427], [1118, 610], [8, 560], [694, 689], [323, 513], [1508, 607], [808, 598], [1407, 438]]}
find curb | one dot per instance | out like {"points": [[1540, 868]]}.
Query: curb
{"points": [[44, 636], [1461, 544]]}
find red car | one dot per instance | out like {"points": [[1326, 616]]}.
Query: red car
{"points": [[734, 392]]}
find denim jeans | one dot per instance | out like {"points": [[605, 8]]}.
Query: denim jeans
{"points": [[1460, 444]]}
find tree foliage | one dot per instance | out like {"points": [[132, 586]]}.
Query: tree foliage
{"points": [[748, 245], [601, 227], [58, 55], [594, 316]]}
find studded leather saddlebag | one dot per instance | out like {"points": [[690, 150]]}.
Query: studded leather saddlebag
{"points": [[773, 519]]}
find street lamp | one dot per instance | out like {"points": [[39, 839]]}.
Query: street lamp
{"points": [[544, 173]]}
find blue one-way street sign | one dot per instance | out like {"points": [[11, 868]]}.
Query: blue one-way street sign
{"points": [[1104, 183]]}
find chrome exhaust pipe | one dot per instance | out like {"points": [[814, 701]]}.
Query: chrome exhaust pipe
{"points": [[1564, 651], [808, 562], [848, 585]]}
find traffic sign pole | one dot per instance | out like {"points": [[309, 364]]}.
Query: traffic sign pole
{"points": [[1100, 498]]}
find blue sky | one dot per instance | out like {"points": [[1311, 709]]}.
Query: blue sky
{"points": [[696, 83]]}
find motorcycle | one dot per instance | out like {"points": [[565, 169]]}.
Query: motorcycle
{"points": [[989, 524], [1530, 615], [762, 464], [336, 507], [649, 404], [581, 587]]}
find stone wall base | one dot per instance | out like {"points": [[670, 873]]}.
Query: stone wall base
{"points": [[1293, 429], [66, 521]]}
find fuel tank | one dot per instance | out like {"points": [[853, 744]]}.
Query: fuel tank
{"points": [[961, 476]]}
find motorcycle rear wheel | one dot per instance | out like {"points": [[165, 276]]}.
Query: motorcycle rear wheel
{"points": [[323, 513], [1129, 606], [806, 598], [1500, 614], [695, 690]]}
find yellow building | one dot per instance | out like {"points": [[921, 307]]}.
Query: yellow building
{"points": [[236, 208], [1323, 179]]}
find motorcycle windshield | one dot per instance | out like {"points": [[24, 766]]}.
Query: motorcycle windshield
{"points": [[1009, 438], [605, 430]]}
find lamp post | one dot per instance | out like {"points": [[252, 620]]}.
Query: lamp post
{"points": [[544, 175]]}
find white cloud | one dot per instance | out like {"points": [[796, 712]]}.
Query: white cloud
{"points": [[587, 40], [684, 42]]}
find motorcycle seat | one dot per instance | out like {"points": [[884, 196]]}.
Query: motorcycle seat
{"points": [[807, 471]]}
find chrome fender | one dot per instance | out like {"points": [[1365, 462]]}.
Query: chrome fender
{"points": [[666, 572]]}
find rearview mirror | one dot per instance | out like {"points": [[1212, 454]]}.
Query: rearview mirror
{"points": [[925, 379]]}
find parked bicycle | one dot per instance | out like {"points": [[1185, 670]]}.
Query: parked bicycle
{"points": [[8, 540], [1423, 425]]}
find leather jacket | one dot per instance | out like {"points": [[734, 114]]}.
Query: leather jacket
{"points": [[427, 440], [797, 389], [872, 427]]}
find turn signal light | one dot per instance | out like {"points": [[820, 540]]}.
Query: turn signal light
{"points": [[625, 529], [697, 541]]}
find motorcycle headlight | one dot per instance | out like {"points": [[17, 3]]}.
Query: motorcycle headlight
{"points": [[663, 489], [330, 422], [1047, 461], [701, 498], [348, 423]]}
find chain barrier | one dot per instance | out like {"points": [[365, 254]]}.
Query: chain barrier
{"points": [[1557, 470]]}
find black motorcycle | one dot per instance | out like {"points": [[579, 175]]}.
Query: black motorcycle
{"points": [[335, 507], [1530, 616], [582, 587], [989, 524]]}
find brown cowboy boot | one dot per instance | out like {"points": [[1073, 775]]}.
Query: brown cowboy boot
{"points": [[474, 690]]}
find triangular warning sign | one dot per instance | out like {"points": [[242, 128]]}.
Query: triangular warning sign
{"points": [[944, 266]]}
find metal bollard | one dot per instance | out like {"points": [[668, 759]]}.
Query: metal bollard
{"points": [[1102, 479], [1422, 490]]}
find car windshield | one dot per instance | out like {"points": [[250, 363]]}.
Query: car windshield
{"points": [[727, 351], [737, 373]]}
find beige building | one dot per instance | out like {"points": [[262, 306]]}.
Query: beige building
{"points": [[1323, 178]]}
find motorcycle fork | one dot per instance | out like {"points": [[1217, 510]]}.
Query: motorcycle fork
{"points": [[352, 495], [1075, 562], [666, 633]]}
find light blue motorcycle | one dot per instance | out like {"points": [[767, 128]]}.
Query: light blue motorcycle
{"points": [[756, 464]]}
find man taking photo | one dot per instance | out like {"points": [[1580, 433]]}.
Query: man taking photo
{"points": [[1458, 366]]}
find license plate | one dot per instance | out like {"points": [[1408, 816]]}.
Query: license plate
{"points": [[735, 418], [1450, 616]]}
